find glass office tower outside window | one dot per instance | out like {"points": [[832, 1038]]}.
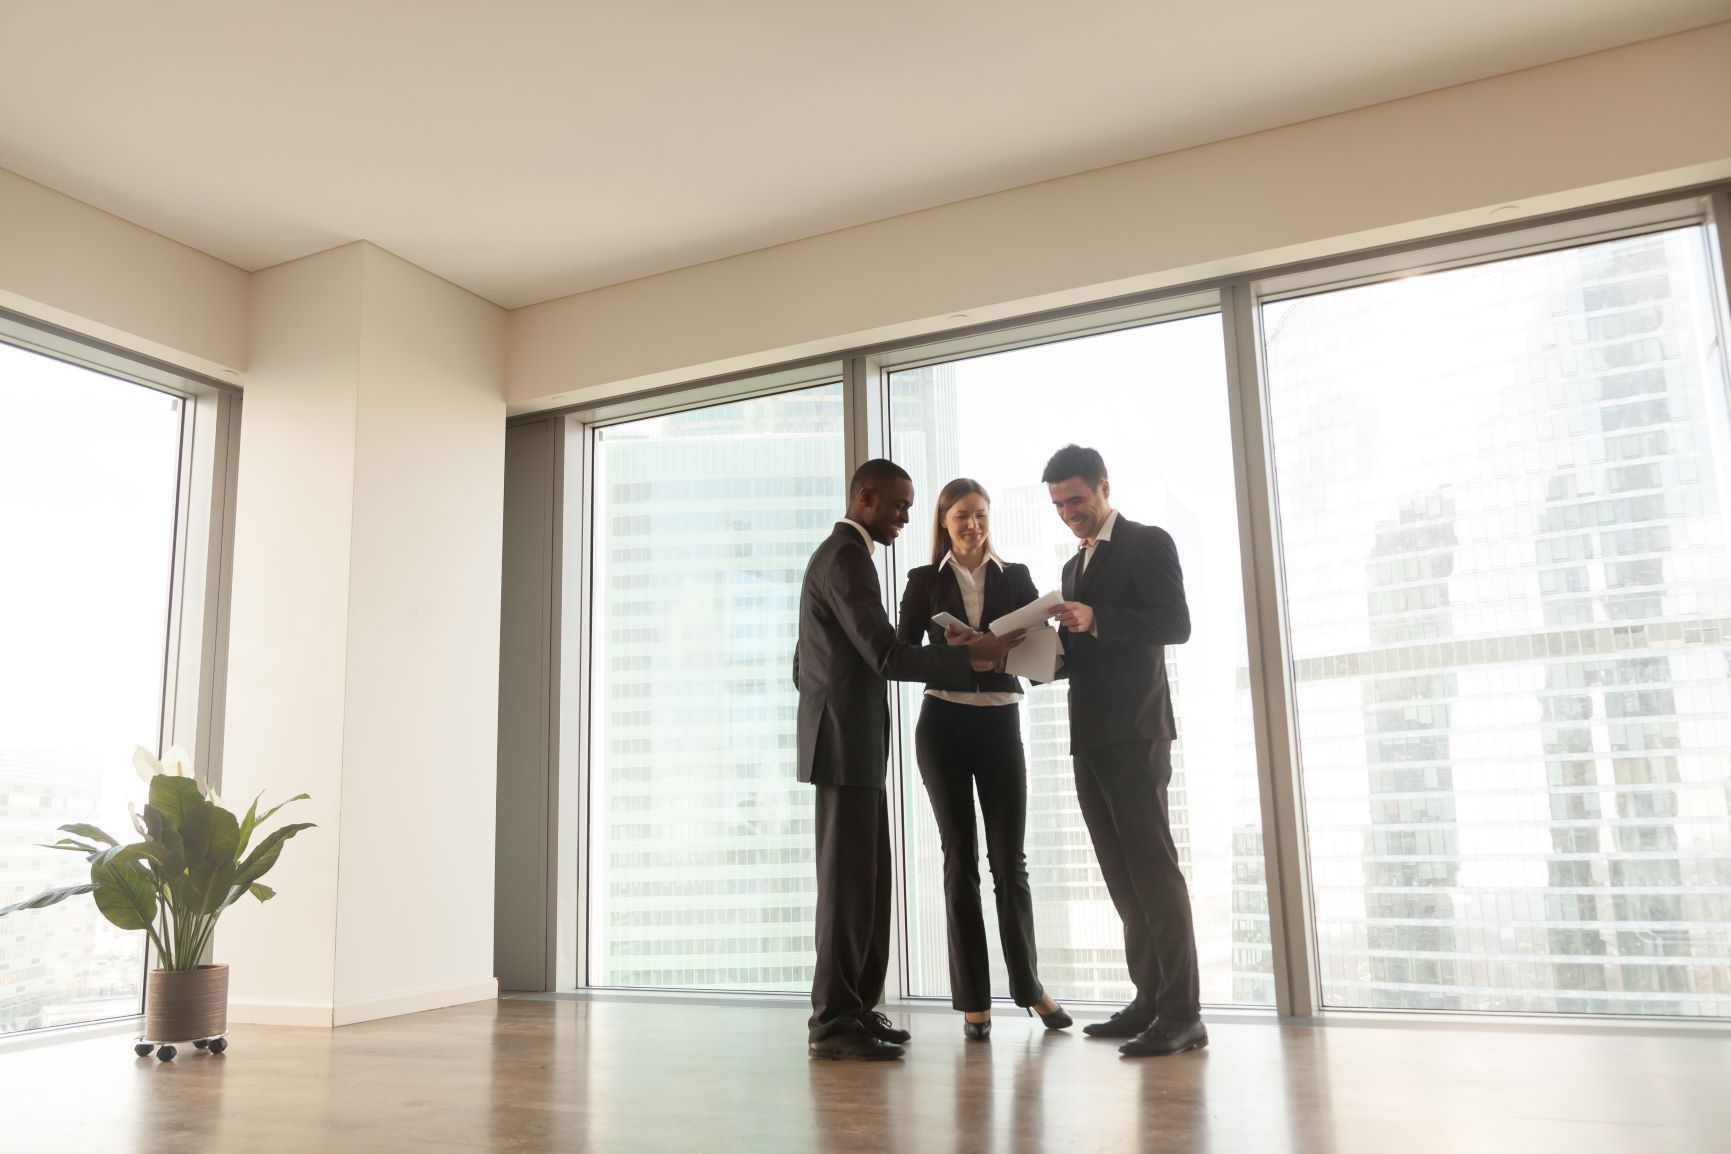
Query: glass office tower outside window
{"points": [[1153, 401], [700, 850], [88, 474], [1502, 499]]}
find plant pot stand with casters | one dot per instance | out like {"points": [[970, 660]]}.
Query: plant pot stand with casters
{"points": [[165, 1051], [183, 1006]]}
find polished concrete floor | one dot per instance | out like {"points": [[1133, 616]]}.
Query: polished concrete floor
{"points": [[629, 1075]]}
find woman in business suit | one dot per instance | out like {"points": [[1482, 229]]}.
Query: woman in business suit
{"points": [[973, 737]]}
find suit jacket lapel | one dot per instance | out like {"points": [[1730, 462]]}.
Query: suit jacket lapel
{"points": [[1102, 550], [1068, 582], [950, 593]]}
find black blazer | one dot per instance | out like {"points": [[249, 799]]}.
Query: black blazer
{"points": [[846, 655], [932, 589], [1118, 689]]}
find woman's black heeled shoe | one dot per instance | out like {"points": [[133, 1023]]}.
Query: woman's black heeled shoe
{"points": [[977, 1031], [1056, 1020]]}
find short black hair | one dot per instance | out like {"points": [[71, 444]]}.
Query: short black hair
{"points": [[1075, 461], [875, 474]]}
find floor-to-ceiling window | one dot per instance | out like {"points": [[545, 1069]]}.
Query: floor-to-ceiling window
{"points": [[700, 836], [1153, 400], [1489, 573], [1503, 512], [89, 469]]}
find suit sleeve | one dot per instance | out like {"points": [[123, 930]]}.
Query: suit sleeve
{"points": [[856, 603], [1160, 614], [911, 625]]}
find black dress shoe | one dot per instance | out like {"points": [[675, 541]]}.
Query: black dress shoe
{"points": [[1165, 1037], [1126, 1023], [977, 1031], [854, 1047], [880, 1027]]}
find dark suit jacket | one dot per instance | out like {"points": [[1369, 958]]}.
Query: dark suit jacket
{"points": [[846, 655], [1118, 689], [932, 589]]}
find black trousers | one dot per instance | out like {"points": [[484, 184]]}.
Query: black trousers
{"points": [[959, 748], [1122, 791], [853, 907]]}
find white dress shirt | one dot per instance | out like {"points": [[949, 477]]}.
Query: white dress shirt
{"points": [[973, 587], [1105, 534]]}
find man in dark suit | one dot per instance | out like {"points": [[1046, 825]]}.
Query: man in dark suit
{"points": [[1123, 604], [846, 655]]}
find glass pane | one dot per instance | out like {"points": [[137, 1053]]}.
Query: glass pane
{"points": [[700, 850], [1502, 509], [1153, 401], [88, 475]]}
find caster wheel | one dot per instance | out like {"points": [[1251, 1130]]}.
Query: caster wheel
{"points": [[143, 1049], [218, 1045], [202, 1043], [165, 1054]]}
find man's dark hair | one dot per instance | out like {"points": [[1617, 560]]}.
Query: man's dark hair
{"points": [[1075, 461], [876, 474]]}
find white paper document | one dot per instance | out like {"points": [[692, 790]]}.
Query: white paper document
{"points": [[1036, 658], [1028, 615]]}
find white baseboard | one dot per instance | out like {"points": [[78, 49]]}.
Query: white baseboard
{"points": [[361, 1009], [414, 1001], [280, 1014]]}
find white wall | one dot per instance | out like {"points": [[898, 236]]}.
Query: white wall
{"points": [[289, 623], [1639, 119], [363, 663], [415, 903], [64, 262]]}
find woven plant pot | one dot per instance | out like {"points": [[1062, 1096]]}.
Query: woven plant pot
{"points": [[186, 1005]]}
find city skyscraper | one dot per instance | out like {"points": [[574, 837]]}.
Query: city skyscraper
{"points": [[64, 963], [1523, 721], [701, 852]]}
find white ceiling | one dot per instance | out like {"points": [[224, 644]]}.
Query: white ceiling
{"points": [[526, 149]]}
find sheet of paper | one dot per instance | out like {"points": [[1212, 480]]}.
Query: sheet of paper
{"points": [[1036, 658], [1029, 615]]}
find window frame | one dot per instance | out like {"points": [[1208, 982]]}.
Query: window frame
{"points": [[195, 640], [1239, 297]]}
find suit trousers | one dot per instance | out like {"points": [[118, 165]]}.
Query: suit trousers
{"points": [[961, 748], [853, 907], [1122, 792]]}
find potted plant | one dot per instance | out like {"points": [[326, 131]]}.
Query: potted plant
{"points": [[194, 860]]}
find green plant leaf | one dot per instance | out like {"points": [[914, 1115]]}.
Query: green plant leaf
{"points": [[166, 833], [252, 821], [262, 892], [260, 860], [47, 898], [123, 891], [89, 832], [173, 796], [73, 844], [209, 886], [208, 833]]}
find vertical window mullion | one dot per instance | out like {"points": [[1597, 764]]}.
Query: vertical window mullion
{"points": [[1291, 924]]}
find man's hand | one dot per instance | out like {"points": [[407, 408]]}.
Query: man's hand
{"points": [[986, 650], [1074, 616]]}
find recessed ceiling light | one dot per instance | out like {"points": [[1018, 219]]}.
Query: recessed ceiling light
{"points": [[1505, 210]]}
